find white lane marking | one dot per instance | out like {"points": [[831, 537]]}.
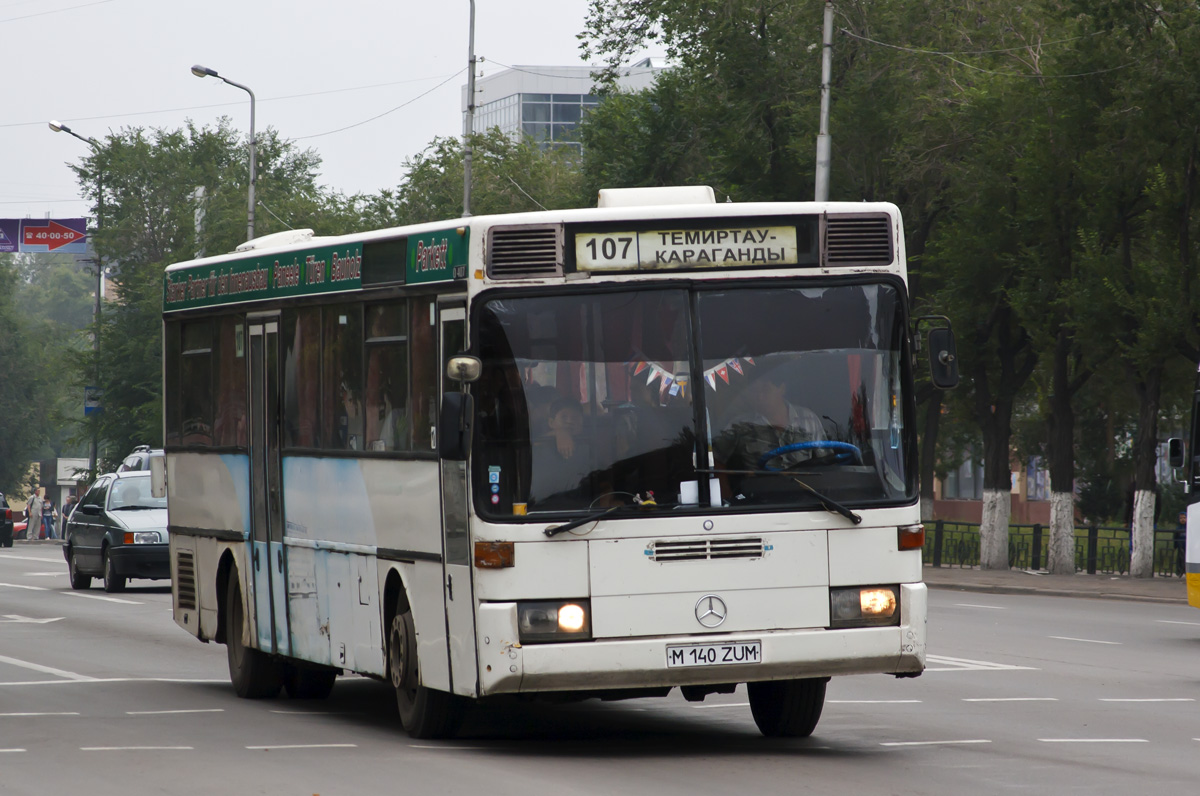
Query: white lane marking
{"points": [[83, 679], [873, 701], [136, 748], [17, 619], [1156, 699], [932, 743], [1093, 740], [165, 712], [98, 597], [13, 715], [947, 664], [3, 751], [37, 667], [45, 574], [305, 746], [21, 586], [1012, 699], [976, 605], [31, 558], [1173, 622], [722, 705], [1086, 640]]}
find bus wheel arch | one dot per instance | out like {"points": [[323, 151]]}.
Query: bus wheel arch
{"points": [[424, 712], [225, 570]]}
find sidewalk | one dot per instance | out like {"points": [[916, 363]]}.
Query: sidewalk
{"points": [[1018, 581]]}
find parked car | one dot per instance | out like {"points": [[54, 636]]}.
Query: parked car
{"points": [[117, 532], [19, 527], [139, 459], [6, 523]]}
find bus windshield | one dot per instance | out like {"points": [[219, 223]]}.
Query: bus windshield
{"points": [[781, 392]]}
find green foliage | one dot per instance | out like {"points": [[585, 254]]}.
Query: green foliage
{"points": [[506, 177]]}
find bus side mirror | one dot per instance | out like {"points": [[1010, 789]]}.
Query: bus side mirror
{"points": [[158, 476], [943, 358], [1175, 452], [455, 425]]}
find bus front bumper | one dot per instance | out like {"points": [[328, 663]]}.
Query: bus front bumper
{"points": [[507, 667]]}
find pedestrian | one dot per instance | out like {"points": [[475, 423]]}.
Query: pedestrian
{"points": [[33, 516], [65, 515], [49, 515]]}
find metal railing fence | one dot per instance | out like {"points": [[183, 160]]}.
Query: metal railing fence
{"points": [[1098, 549]]}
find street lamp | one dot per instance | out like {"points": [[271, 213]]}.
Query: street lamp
{"points": [[204, 71], [59, 127]]}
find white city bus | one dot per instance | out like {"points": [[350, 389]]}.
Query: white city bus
{"points": [[599, 452]]}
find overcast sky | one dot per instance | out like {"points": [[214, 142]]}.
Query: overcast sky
{"points": [[314, 66]]}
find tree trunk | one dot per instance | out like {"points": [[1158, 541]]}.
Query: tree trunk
{"points": [[1061, 558], [1062, 460], [1141, 538], [933, 415], [997, 488]]}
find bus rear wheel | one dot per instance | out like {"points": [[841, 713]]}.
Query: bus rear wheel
{"points": [[787, 708], [424, 712], [254, 674]]}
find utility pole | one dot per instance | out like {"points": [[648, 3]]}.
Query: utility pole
{"points": [[824, 144], [469, 128]]}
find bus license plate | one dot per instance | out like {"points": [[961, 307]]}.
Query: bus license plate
{"points": [[714, 654]]}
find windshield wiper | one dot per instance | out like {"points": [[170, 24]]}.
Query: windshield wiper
{"points": [[637, 505], [133, 508], [826, 502]]}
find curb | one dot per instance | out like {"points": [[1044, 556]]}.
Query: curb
{"points": [[1031, 592]]}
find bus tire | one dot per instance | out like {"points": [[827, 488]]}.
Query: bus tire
{"points": [[305, 682], [787, 708], [424, 712], [253, 673]]}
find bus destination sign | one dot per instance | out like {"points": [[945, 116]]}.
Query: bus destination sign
{"points": [[272, 276], [437, 256], [685, 248]]}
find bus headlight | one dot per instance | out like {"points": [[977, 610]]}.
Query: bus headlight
{"points": [[864, 606], [554, 620]]}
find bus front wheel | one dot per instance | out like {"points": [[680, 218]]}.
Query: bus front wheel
{"points": [[254, 674], [424, 712], [787, 708]]}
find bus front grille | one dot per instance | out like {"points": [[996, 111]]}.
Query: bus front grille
{"points": [[185, 580], [705, 549], [858, 239], [530, 250]]}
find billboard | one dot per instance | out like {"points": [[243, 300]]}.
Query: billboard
{"points": [[67, 235]]}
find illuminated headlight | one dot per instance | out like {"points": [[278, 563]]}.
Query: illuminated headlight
{"points": [[143, 537], [864, 606], [554, 620]]}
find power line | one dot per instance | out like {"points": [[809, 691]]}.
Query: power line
{"points": [[385, 113], [56, 11], [949, 57], [42, 122]]}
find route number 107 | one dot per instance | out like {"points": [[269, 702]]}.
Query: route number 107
{"points": [[607, 250]]}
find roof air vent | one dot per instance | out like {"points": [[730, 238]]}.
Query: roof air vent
{"points": [[858, 239], [532, 250]]}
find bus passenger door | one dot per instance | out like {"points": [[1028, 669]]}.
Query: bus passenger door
{"points": [[266, 491], [456, 544]]}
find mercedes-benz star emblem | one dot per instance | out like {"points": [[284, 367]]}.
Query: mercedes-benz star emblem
{"points": [[711, 610]]}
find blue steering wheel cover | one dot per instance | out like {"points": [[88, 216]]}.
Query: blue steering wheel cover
{"points": [[843, 448]]}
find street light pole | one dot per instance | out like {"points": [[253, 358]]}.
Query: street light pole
{"points": [[204, 71], [469, 130], [59, 127], [824, 144]]}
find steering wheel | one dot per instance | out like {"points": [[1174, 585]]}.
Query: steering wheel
{"points": [[843, 452]]}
